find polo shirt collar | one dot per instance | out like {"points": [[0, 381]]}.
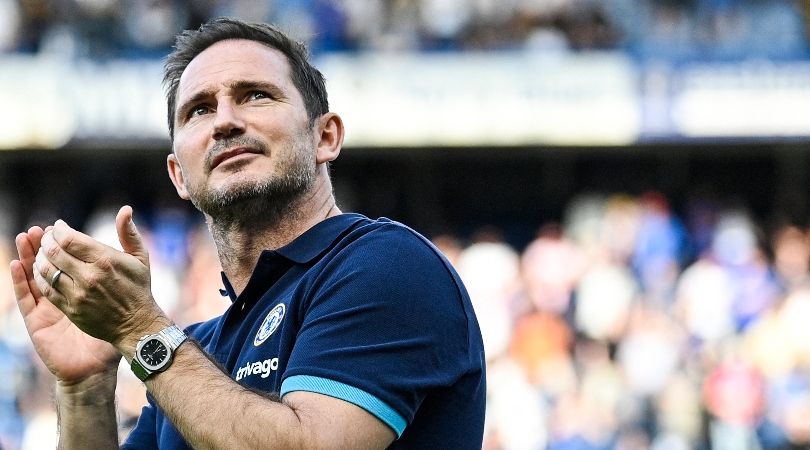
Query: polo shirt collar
{"points": [[305, 248], [318, 239]]}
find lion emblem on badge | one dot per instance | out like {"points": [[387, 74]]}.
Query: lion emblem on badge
{"points": [[270, 324]]}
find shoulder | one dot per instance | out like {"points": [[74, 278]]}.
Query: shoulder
{"points": [[373, 242], [389, 253], [386, 265]]}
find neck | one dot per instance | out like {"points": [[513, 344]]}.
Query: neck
{"points": [[240, 244]]}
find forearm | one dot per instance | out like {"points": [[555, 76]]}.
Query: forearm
{"points": [[86, 413], [212, 411]]}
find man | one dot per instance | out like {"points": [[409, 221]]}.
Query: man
{"points": [[344, 332]]}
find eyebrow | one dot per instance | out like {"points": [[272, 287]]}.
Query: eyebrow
{"points": [[236, 85]]}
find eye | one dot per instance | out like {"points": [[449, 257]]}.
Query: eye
{"points": [[258, 95], [198, 110]]}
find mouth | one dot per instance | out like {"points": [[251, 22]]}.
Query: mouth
{"points": [[232, 153]]}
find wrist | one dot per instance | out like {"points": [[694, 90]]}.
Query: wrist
{"points": [[127, 344], [154, 353], [95, 390]]}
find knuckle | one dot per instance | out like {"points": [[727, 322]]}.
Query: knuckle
{"points": [[91, 280], [104, 264], [77, 294], [46, 289], [52, 251], [67, 241]]}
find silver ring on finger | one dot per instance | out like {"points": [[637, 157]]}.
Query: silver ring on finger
{"points": [[55, 277]]}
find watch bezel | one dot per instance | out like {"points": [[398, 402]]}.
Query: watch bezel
{"points": [[163, 363]]}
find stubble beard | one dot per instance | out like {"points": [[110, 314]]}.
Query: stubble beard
{"points": [[264, 203]]}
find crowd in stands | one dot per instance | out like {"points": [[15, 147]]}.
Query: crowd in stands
{"points": [[630, 327], [646, 28], [623, 326], [626, 325]]}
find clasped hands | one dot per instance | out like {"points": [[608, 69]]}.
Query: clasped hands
{"points": [[102, 295]]}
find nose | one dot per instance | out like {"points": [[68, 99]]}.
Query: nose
{"points": [[228, 122]]}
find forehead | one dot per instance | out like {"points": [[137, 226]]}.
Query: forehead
{"points": [[234, 59]]}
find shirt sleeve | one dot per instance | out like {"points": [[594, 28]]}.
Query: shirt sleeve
{"points": [[384, 326]]}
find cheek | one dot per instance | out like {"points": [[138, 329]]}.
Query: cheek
{"points": [[191, 136], [186, 167], [189, 150]]}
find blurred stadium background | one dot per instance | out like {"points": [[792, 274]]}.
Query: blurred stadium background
{"points": [[623, 185]]}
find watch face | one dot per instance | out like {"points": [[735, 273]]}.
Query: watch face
{"points": [[153, 353]]}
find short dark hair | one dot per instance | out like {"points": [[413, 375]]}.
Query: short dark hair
{"points": [[190, 43]]}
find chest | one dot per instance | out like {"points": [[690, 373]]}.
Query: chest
{"points": [[253, 341]]}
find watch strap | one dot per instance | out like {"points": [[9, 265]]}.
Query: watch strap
{"points": [[172, 335], [141, 372]]}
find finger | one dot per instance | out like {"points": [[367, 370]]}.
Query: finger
{"points": [[51, 253], [35, 233], [53, 295], [27, 251], [128, 235], [46, 270], [78, 244], [22, 289], [28, 243], [53, 274]]}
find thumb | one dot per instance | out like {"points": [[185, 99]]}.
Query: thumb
{"points": [[129, 236]]}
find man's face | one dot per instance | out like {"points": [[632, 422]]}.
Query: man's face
{"points": [[243, 141]]}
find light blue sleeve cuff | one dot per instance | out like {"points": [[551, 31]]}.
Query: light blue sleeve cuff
{"points": [[348, 393]]}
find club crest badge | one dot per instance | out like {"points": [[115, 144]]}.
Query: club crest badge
{"points": [[270, 324]]}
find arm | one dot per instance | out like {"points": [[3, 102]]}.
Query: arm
{"points": [[85, 368], [86, 413], [223, 414], [106, 293]]}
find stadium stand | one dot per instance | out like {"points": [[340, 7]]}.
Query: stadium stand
{"points": [[653, 295]]}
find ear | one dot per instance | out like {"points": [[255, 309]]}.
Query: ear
{"points": [[176, 175], [330, 137]]}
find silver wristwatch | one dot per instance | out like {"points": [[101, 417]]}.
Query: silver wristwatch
{"points": [[154, 352]]}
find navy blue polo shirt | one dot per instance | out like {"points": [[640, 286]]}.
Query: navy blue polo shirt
{"points": [[364, 310]]}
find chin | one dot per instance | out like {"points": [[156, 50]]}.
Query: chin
{"points": [[238, 181]]}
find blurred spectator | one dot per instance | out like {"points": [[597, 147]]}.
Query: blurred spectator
{"points": [[650, 352], [737, 248], [152, 24], [791, 248], [733, 394], [704, 301], [9, 25], [37, 19], [619, 228], [96, 27], [679, 416], [490, 273], [708, 29], [604, 297], [540, 343], [510, 391], [630, 324], [551, 265], [659, 249], [443, 21]]}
